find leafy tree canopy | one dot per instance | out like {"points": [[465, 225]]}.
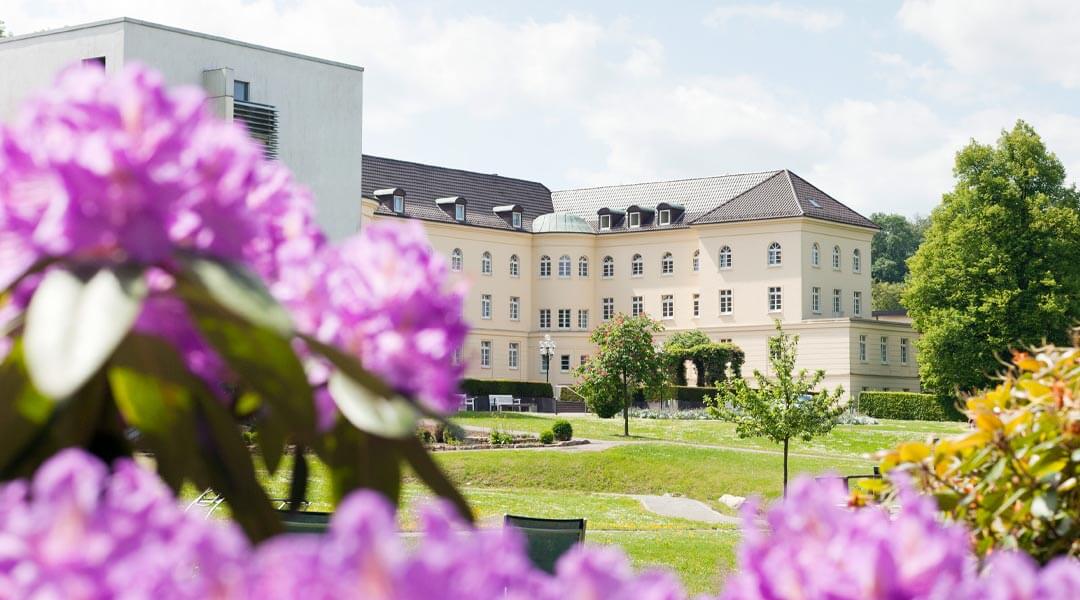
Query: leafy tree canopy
{"points": [[887, 295], [686, 339], [1000, 263], [897, 240]]}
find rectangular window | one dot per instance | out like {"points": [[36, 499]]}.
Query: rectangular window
{"points": [[667, 306], [515, 218], [241, 90], [776, 299], [458, 356], [607, 308], [545, 318], [637, 306], [856, 303], [459, 212], [399, 204], [512, 355], [514, 266], [862, 349], [884, 350], [815, 300], [485, 354], [665, 217], [515, 308], [545, 266], [727, 303], [609, 268], [564, 267], [635, 219], [583, 267], [725, 340], [605, 222], [637, 266], [583, 319], [903, 351], [564, 318], [696, 305], [836, 307], [485, 306], [564, 363]]}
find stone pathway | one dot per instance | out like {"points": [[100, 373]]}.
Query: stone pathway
{"points": [[684, 508]]}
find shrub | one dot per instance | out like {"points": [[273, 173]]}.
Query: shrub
{"points": [[908, 406], [1013, 479], [547, 437], [605, 406], [710, 360], [562, 429], [517, 389], [499, 438], [448, 433]]}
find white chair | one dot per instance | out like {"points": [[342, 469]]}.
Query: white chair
{"points": [[499, 402], [466, 402]]}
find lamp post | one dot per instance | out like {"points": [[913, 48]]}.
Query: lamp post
{"points": [[547, 350]]}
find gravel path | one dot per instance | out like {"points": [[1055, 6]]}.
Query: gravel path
{"points": [[684, 508]]}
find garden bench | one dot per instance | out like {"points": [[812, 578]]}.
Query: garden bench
{"points": [[304, 522], [501, 402], [547, 539]]}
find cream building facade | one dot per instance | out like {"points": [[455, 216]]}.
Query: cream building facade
{"points": [[725, 255]]}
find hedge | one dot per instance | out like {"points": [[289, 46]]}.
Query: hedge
{"points": [[909, 406], [710, 360], [503, 387]]}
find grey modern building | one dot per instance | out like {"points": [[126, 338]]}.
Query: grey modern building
{"points": [[307, 111]]}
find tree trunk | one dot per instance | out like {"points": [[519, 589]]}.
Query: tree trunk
{"points": [[785, 466], [625, 411]]}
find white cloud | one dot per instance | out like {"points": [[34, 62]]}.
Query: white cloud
{"points": [[816, 20], [1002, 38]]}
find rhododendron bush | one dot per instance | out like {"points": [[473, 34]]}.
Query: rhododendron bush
{"points": [[164, 283]]}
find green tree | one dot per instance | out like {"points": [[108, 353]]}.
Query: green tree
{"points": [[1000, 263], [893, 245], [626, 360], [887, 295], [686, 339], [783, 407]]}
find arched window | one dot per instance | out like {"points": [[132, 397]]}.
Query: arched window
{"points": [[856, 261], [696, 261], [485, 263], [455, 260], [774, 254], [545, 266], [836, 257], [609, 267], [637, 266], [564, 266], [583, 266], [725, 257], [667, 264], [815, 254], [515, 265]]}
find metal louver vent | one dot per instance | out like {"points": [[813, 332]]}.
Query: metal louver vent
{"points": [[261, 121]]}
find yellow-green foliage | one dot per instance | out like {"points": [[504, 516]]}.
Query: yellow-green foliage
{"points": [[1013, 478]]}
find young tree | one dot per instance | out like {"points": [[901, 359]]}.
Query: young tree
{"points": [[786, 406], [1000, 264], [626, 360]]}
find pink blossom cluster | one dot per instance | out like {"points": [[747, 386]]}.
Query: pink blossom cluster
{"points": [[812, 546]]}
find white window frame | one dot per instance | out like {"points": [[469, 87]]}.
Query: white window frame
{"points": [[515, 219], [727, 297], [568, 313], [856, 303], [774, 255], [583, 266], [564, 266], [399, 203], [456, 260], [695, 261], [836, 258], [605, 222], [583, 318], [815, 300], [664, 217], [725, 258], [607, 267], [776, 299], [667, 265], [564, 363], [545, 267], [695, 305], [856, 261], [883, 349], [607, 308], [545, 318], [904, 351], [837, 302], [667, 306], [515, 265], [862, 348], [485, 354], [515, 308], [512, 356], [637, 306], [637, 266], [815, 256], [634, 219], [459, 213], [485, 263], [485, 306]]}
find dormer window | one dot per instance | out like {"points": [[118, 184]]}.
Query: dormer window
{"points": [[515, 217], [453, 206], [392, 199], [605, 222], [635, 220], [609, 218], [510, 214], [459, 212], [664, 216], [399, 203]]}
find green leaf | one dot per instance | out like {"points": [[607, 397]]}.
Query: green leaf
{"points": [[392, 417], [358, 460], [74, 323], [152, 391], [231, 473], [271, 436], [1044, 505], [264, 360], [236, 289], [430, 473], [24, 411]]}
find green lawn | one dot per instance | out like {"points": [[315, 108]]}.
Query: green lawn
{"points": [[700, 558]]}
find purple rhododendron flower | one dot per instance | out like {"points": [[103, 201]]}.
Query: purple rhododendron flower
{"points": [[384, 295]]}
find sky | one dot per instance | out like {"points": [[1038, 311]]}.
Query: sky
{"points": [[867, 99]]}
